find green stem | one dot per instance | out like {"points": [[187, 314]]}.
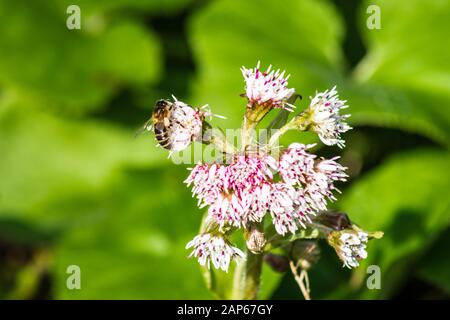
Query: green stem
{"points": [[217, 138], [237, 281], [276, 136], [253, 115], [300, 122], [249, 276]]}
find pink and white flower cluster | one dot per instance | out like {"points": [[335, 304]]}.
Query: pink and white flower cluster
{"points": [[326, 119], [184, 125], [291, 188], [209, 248], [351, 248], [269, 88], [230, 190]]}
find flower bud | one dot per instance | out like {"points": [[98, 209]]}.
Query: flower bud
{"points": [[334, 220], [255, 240], [306, 253], [277, 262], [350, 244]]}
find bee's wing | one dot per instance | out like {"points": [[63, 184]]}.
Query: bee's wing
{"points": [[146, 127]]}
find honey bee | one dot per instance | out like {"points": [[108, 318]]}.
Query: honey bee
{"points": [[161, 123], [176, 124]]}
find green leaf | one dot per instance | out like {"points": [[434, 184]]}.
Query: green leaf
{"points": [[304, 38], [72, 70], [154, 6], [45, 158], [407, 198], [434, 265], [412, 111], [134, 246], [406, 51], [404, 79], [300, 36]]}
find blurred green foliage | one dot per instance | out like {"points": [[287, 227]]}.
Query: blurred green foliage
{"points": [[77, 188]]}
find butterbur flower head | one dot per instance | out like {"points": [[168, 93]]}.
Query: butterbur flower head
{"points": [[214, 248], [296, 164], [281, 207], [325, 118], [208, 182], [228, 210], [234, 192], [247, 171], [242, 182], [320, 183], [269, 88], [315, 178], [288, 208], [333, 170], [350, 246], [258, 203]]}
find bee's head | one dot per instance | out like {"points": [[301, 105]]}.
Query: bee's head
{"points": [[161, 104]]}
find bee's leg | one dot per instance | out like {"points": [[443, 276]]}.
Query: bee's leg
{"points": [[166, 145], [164, 141], [160, 135]]}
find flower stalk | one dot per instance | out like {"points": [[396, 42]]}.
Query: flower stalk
{"points": [[300, 123], [217, 138], [250, 277], [275, 201], [252, 117]]}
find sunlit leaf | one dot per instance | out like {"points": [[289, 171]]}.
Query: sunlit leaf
{"points": [[408, 199], [72, 70], [434, 265], [135, 247], [406, 52], [299, 36], [404, 77], [46, 157], [158, 6]]}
